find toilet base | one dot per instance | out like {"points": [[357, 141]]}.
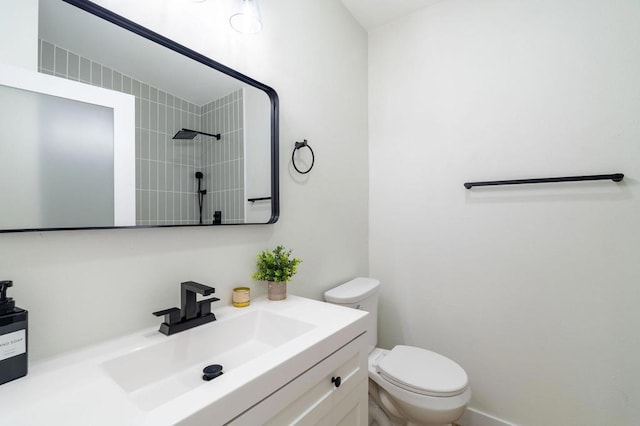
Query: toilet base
{"points": [[379, 417]]}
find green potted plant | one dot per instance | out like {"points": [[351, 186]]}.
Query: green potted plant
{"points": [[277, 267]]}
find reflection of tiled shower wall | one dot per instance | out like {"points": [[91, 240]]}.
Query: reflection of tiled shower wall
{"points": [[165, 168], [223, 160]]}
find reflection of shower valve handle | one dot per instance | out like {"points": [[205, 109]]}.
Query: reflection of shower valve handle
{"points": [[217, 217]]}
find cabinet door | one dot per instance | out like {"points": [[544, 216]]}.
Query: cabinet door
{"points": [[351, 408], [313, 399]]}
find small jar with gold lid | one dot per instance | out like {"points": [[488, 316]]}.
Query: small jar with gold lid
{"points": [[241, 297]]}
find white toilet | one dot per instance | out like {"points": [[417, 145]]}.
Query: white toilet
{"points": [[413, 386]]}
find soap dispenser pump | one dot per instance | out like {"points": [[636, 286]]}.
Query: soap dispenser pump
{"points": [[13, 337]]}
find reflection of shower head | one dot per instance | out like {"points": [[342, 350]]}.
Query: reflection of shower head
{"points": [[199, 175], [185, 134], [190, 134]]}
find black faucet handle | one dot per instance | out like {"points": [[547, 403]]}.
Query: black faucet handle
{"points": [[171, 315], [198, 288], [204, 306]]}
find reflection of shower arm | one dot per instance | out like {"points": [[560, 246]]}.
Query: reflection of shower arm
{"points": [[217, 135], [190, 134]]}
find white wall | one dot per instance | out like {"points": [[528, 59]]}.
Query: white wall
{"points": [[86, 286], [19, 33], [533, 290]]}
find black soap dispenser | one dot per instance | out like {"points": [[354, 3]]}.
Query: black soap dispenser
{"points": [[13, 337]]}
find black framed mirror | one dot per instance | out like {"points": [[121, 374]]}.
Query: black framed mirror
{"points": [[206, 136]]}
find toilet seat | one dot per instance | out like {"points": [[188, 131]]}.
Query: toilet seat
{"points": [[423, 372]]}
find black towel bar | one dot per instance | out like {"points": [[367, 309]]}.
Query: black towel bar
{"points": [[253, 200], [616, 177]]}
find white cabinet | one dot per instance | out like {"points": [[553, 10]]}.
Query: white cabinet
{"points": [[314, 397]]}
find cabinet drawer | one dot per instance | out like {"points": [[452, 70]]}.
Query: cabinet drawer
{"points": [[312, 398]]}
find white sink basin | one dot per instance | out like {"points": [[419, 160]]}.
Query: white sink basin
{"points": [[159, 373], [148, 378]]}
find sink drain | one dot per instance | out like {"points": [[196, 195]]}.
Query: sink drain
{"points": [[212, 371]]}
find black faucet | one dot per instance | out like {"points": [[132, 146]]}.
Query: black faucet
{"points": [[193, 313]]}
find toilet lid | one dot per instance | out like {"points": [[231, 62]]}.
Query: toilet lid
{"points": [[421, 371]]}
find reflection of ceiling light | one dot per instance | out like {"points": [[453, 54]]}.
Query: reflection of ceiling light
{"points": [[246, 17]]}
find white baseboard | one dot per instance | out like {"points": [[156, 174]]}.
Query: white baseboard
{"points": [[473, 417]]}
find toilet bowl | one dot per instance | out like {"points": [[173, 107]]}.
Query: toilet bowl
{"points": [[411, 385], [418, 386]]}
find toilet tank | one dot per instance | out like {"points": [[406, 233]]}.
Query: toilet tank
{"points": [[359, 293]]}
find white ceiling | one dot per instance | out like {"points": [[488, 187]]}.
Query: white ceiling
{"points": [[373, 13], [77, 31]]}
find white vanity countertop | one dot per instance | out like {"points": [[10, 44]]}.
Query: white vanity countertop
{"points": [[76, 388]]}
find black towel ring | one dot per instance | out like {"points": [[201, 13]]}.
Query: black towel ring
{"points": [[293, 160]]}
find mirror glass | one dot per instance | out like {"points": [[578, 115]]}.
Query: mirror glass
{"points": [[222, 169]]}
